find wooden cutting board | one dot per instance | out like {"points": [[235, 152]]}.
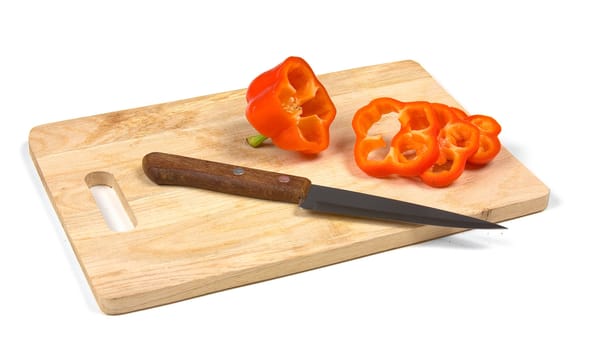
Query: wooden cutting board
{"points": [[188, 242]]}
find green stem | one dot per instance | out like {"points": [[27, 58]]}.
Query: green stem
{"points": [[256, 140]]}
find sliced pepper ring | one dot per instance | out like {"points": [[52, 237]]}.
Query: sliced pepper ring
{"points": [[413, 149], [458, 140], [489, 143], [362, 122]]}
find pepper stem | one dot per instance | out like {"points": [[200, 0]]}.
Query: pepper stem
{"points": [[256, 140]]}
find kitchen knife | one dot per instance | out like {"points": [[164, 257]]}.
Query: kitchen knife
{"points": [[170, 169]]}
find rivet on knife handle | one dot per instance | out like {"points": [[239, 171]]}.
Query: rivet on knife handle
{"points": [[170, 169]]}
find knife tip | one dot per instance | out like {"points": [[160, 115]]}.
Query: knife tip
{"points": [[498, 226]]}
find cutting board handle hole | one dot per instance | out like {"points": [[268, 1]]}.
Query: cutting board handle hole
{"points": [[111, 202]]}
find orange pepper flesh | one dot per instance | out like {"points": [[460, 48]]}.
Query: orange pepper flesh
{"points": [[290, 105], [412, 150], [489, 144], [361, 123], [435, 141], [458, 140]]}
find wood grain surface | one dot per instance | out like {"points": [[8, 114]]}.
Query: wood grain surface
{"points": [[188, 242]]}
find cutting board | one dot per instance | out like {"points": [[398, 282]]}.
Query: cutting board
{"points": [[189, 242]]}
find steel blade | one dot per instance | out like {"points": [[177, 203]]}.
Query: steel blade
{"points": [[342, 202]]}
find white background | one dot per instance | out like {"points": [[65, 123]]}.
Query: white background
{"points": [[525, 63]]}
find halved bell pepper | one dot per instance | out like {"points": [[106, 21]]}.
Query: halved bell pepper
{"points": [[289, 105], [412, 150], [458, 140]]}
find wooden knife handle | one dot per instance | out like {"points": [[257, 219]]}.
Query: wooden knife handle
{"points": [[170, 169]]}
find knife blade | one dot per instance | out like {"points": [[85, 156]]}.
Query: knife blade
{"points": [[171, 169]]}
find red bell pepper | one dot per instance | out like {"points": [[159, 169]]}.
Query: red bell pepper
{"points": [[289, 105]]}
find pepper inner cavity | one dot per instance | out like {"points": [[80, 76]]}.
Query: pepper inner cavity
{"points": [[386, 127], [291, 105]]}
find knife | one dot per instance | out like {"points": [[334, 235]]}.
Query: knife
{"points": [[171, 169]]}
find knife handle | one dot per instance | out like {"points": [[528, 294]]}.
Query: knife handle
{"points": [[170, 169]]}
